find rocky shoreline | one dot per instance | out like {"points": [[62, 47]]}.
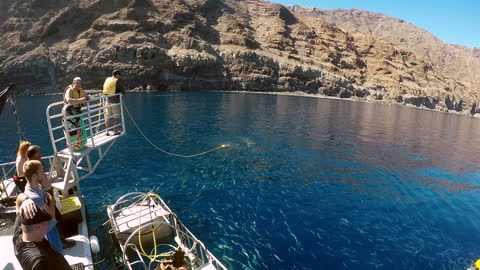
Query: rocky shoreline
{"points": [[198, 45], [282, 93], [303, 94]]}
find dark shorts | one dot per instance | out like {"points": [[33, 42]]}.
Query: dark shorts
{"points": [[20, 183]]}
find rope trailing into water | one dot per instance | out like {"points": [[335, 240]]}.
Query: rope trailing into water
{"points": [[20, 132], [164, 151]]}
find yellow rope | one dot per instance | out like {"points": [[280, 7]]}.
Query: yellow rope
{"points": [[152, 257], [166, 152]]}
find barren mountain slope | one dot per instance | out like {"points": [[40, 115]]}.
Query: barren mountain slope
{"points": [[210, 44], [455, 61]]}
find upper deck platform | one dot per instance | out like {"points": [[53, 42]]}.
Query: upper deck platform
{"points": [[76, 134], [99, 139]]}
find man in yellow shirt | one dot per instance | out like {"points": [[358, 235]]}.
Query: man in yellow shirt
{"points": [[110, 87]]}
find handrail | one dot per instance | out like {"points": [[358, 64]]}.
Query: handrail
{"points": [[7, 174], [90, 111], [93, 118], [14, 162]]}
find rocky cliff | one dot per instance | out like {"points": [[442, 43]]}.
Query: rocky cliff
{"points": [[212, 44], [454, 61]]}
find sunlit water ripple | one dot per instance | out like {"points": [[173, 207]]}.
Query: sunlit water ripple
{"points": [[306, 184]]}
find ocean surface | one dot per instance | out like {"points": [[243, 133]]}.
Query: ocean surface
{"points": [[306, 183]]}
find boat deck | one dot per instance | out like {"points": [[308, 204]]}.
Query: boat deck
{"points": [[67, 168], [80, 253]]}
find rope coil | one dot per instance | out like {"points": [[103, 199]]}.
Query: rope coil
{"points": [[154, 256]]}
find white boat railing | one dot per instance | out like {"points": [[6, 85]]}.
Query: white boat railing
{"points": [[8, 170], [93, 118], [199, 256], [67, 161]]}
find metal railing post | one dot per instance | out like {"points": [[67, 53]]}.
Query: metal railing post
{"points": [[50, 131], [121, 111], [90, 123], [67, 133]]}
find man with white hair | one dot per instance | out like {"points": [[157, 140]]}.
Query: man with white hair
{"points": [[74, 94], [74, 97]]}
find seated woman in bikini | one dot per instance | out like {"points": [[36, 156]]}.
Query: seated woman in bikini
{"points": [[19, 177]]}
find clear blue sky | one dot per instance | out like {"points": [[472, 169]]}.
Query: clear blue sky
{"points": [[455, 22]]}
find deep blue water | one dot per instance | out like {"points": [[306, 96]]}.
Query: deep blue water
{"points": [[306, 184]]}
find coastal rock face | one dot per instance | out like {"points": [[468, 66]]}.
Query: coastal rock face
{"points": [[454, 61], [212, 45]]}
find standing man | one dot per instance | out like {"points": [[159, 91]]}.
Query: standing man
{"points": [[34, 190], [35, 153], [110, 87], [75, 95], [31, 248]]}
